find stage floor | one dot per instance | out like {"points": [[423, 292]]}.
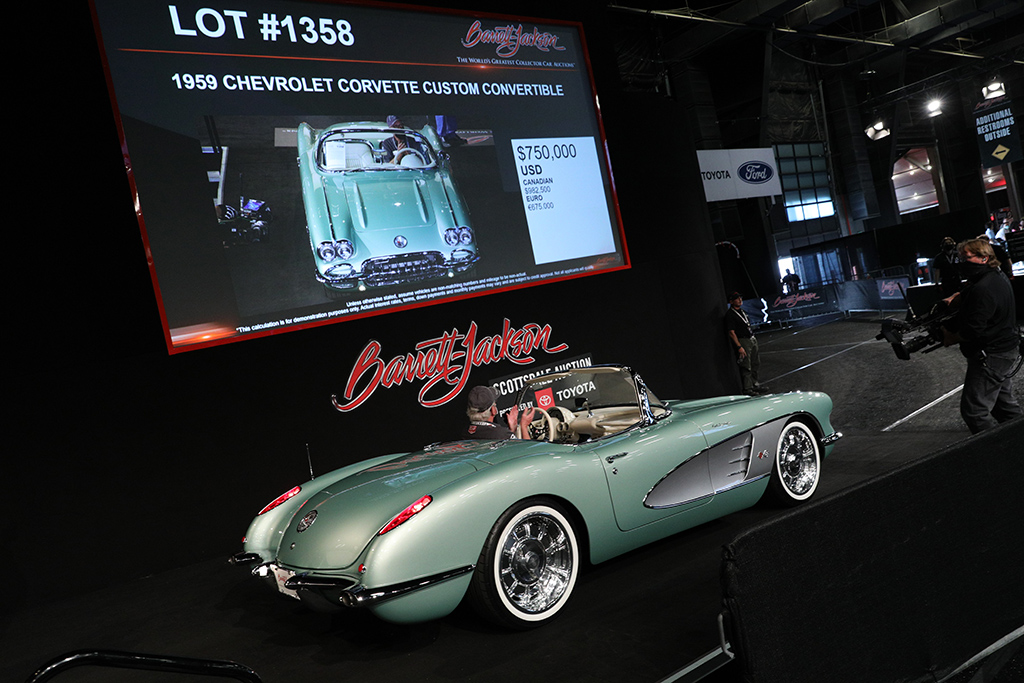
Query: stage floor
{"points": [[640, 617]]}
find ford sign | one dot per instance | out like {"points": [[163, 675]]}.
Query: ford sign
{"points": [[755, 172]]}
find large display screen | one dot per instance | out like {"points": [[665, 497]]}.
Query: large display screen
{"points": [[299, 164]]}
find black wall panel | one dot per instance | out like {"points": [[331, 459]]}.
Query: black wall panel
{"points": [[126, 461]]}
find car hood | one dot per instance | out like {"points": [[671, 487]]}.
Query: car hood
{"points": [[351, 511], [382, 204]]}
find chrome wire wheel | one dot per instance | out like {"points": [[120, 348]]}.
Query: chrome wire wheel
{"points": [[797, 464], [529, 566]]}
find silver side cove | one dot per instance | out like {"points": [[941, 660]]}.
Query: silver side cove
{"points": [[739, 460]]}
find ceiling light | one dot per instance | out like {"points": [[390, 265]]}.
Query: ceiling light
{"points": [[934, 107], [993, 89], [877, 131]]}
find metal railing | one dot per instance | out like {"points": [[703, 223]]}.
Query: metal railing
{"points": [[138, 660]]}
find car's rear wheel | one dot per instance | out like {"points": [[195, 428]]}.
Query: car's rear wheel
{"points": [[797, 467], [528, 566]]}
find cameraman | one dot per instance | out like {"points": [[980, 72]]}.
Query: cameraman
{"points": [[987, 334]]}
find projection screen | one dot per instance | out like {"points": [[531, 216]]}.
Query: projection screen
{"points": [[298, 164]]}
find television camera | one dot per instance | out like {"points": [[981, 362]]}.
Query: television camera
{"points": [[246, 225], [917, 332]]}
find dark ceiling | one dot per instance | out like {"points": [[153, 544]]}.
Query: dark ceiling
{"points": [[895, 47]]}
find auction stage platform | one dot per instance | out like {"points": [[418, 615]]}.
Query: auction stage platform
{"points": [[639, 617]]}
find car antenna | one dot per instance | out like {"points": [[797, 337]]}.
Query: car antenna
{"points": [[309, 459]]}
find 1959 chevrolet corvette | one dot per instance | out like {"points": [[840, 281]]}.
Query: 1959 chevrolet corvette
{"points": [[508, 523], [376, 216]]}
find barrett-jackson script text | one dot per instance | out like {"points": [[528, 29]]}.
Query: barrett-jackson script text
{"points": [[444, 362]]}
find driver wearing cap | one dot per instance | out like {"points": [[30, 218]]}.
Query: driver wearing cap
{"points": [[482, 409]]}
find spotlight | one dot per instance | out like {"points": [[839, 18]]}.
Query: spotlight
{"points": [[934, 108], [877, 130], [993, 89]]}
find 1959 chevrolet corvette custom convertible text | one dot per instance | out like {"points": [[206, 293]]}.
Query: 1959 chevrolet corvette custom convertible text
{"points": [[509, 523]]}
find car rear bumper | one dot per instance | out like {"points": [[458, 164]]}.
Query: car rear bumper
{"points": [[364, 596], [338, 591], [831, 438]]}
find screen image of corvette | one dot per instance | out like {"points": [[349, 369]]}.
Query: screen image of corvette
{"points": [[381, 205], [377, 176]]}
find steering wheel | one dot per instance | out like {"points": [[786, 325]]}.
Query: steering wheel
{"points": [[542, 428], [412, 154]]}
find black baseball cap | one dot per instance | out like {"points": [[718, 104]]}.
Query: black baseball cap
{"points": [[482, 398]]}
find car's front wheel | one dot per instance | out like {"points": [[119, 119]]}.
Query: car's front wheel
{"points": [[528, 566], [797, 466]]}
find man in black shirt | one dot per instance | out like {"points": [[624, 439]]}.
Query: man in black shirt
{"points": [[482, 409], [791, 282], [988, 337], [397, 146], [737, 327]]}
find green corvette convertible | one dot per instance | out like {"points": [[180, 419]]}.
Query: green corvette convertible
{"points": [[508, 524], [380, 216]]}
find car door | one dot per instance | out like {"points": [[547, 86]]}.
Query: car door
{"points": [[637, 460]]}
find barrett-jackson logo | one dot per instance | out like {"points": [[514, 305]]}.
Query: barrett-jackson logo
{"points": [[794, 299], [890, 287], [510, 38], [444, 363]]}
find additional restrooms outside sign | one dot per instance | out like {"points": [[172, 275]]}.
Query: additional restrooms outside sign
{"points": [[738, 173], [301, 163], [998, 133]]}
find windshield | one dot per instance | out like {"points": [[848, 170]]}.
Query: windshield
{"points": [[588, 388], [589, 403], [364, 149]]}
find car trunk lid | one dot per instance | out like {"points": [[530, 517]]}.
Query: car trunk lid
{"points": [[350, 512]]}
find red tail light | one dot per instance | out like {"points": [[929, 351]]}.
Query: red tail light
{"points": [[403, 516], [280, 499]]}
